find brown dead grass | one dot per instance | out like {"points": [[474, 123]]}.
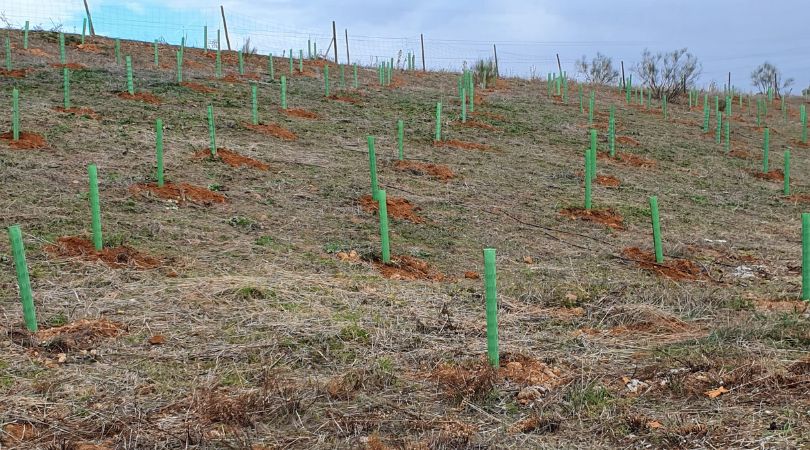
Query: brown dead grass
{"points": [[115, 257], [232, 158], [197, 87], [628, 141], [773, 175], [629, 159], [462, 145], [80, 335]]}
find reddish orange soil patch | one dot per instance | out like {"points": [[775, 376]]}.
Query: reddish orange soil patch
{"points": [[629, 159], [781, 306], [141, 97], [15, 73], [38, 52], [27, 140], [398, 208], [799, 143], [462, 145], [251, 76], [231, 78], [78, 111], [674, 269], [181, 193], [627, 140], [472, 275], [15, 433], [476, 124], [527, 371], [607, 180], [116, 257], [197, 87], [80, 335], [603, 216], [489, 115], [740, 153], [232, 158], [71, 66], [91, 48], [419, 168], [300, 113], [798, 198], [274, 130], [345, 99], [773, 175], [408, 268]]}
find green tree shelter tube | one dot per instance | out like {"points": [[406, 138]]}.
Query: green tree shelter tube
{"points": [[270, 69], [383, 211], [15, 114], [438, 137], [254, 103], [400, 138], [62, 56], [95, 207], [159, 150], [25, 35], [588, 180], [212, 132], [326, 80], [766, 149], [786, 186], [283, 92], [491, 289], [23, 280], [372, 165], [66, 86], [656, 225], [805, 256], [130, 82]]}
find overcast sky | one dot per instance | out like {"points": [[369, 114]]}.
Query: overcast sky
{"points": [[726, 35]]}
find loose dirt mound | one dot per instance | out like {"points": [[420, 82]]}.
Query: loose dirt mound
{"points": [[182, 193], [38, 52], [15, 73], [87, 112], [141, 97], [740, 153], [345, 98], [116, 257], [419, 168], [462, 145], [197, 87], [300, 113], [80, 335], [27, 140], [71, 66], [781, 306], [627, 140], [527, 371], [773, 175], [398, 208], [629, 159], [476, 124], [274, 130], [90, 48], [799, 143], [408, 268], [232, 158], [674, 269], [607, 180], [603, 216]]}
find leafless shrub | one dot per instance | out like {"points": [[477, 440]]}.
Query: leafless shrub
{"points": [[599, 71], [248, 49], [668, 73], [769, 76]]}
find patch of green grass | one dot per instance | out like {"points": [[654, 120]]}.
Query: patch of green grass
{"points": [[588, 396]]}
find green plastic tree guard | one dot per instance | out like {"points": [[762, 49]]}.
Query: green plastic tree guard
{"points": [[372, 165], [490, 285], [95, 207], [400, 138], [212, 132], [656, 225], [23, 280], [438, 136], [159, 150], [383, 211]]}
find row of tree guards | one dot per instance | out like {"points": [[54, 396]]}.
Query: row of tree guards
{"points": [[466, 87]]}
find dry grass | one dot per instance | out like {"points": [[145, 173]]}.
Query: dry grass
{"points": [[268, 340]]}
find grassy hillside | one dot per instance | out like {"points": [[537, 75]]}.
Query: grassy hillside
{"points": [[264, 319]]}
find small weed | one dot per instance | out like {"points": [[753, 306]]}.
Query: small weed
{"points": [[589, 396]]}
